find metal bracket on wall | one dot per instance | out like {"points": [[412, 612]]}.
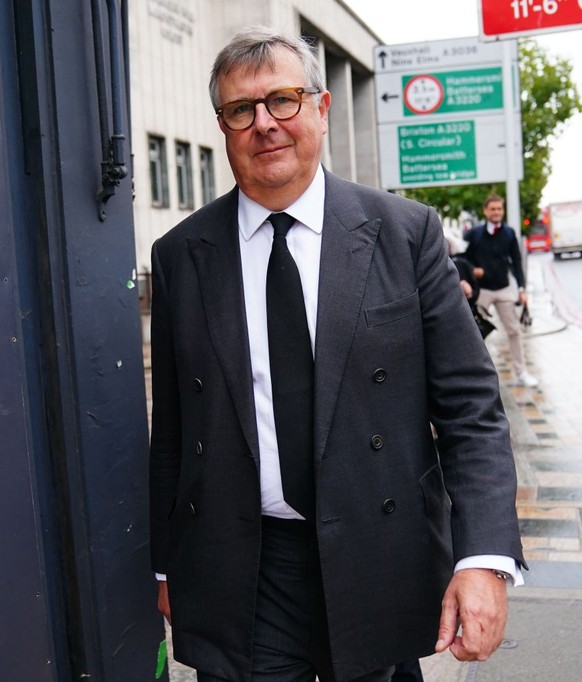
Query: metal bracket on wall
{"points": [[113, 167]]}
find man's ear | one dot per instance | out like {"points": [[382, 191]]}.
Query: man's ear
{"points": [[324, 104]]}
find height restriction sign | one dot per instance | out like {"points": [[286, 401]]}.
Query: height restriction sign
{"points": [[511, 18]]}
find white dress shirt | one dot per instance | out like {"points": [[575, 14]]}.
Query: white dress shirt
{"points": [[304, 243]]}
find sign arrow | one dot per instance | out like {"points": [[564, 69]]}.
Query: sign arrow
{"points": [[382, 56], [386, 97]]}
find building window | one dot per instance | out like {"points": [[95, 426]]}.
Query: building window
{"points": [[158, 171], [184, 175], [207, 175]]}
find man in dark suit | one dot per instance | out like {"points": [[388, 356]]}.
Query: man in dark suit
{"points": [[392, 547]]}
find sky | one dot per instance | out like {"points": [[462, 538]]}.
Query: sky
{"points": [[409, 21]]}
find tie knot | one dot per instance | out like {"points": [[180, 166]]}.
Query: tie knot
{"points": [[281, 223]]}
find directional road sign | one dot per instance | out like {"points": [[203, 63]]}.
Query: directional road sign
{"points": [[440, 113], [448, 152]]}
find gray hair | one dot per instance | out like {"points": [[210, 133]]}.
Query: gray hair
{"points": [[253, 48]]}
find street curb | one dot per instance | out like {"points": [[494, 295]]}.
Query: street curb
{"points": [[544, 594]]}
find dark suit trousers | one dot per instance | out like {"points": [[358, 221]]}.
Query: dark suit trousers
{"points": [[408, 671], [291, 640]]}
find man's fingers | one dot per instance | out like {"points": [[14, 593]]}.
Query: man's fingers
{"points": [[475, 648], [468, 646], [448, 624], [471, 640], [477, 600]]}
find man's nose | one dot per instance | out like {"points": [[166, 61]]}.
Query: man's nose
{"points": [[264, 122]]}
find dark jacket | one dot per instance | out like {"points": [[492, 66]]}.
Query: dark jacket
{"points": [[497, 254], [386, 365]]}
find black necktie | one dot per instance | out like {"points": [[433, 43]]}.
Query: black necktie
{"points": [[291, 363]]}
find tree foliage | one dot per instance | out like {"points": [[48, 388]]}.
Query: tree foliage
{"points": [[548, 99]]}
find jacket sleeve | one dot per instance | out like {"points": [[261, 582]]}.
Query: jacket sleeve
{"points": [[466, 409], [165, 446], [515, 255], [468, 254]]}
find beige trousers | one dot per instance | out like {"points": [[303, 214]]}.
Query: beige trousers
{"points": [[504, 302]]}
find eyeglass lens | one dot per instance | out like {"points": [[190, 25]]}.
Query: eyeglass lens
{"points": [[280, 105]]}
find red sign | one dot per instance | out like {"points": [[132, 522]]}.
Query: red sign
{"points": [[423, 94], [508, 18]]}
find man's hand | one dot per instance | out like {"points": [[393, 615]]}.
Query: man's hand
{"points": [[164, 601], [523, 297], [477, 599], [467, 288], [478, 273]]}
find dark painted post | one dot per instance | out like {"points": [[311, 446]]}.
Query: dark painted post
{"points": [[78, 597]]}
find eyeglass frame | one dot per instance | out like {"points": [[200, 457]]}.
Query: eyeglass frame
{"points": [[263, 100]]}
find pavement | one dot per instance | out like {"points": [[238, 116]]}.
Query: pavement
{"points": [[543, 634]]}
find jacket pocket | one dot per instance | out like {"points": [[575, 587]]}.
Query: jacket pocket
{"points": [[393, 311], [433, 490]]}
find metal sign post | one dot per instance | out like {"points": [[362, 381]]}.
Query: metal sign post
{"points": [[512, 163]]}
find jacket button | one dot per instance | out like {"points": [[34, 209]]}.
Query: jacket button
{"points": [[197, 384], [198, 447], [377, 442], [389, 506], [379, 375], [192, 509]]}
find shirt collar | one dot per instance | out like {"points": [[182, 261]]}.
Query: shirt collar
{"points": [[308, 209]]}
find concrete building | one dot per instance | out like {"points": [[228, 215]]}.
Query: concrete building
{"points": [[179, 159]]}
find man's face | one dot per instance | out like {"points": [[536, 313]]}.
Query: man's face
{"points": [[494, 211], [274, 161]]}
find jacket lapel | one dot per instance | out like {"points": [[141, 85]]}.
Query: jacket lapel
{"points": [[348, 243], [216, 255]]}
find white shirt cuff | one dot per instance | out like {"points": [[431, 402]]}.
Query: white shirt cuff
{"points": [[495, 562], [492, 561]]}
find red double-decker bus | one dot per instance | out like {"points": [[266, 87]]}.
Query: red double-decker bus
{"points": [[539, 235]]}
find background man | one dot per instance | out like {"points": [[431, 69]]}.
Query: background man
{"points": [[343, 567], [494, 251]]}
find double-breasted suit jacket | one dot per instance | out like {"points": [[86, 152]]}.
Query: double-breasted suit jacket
{"points": [[396, 348]]}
